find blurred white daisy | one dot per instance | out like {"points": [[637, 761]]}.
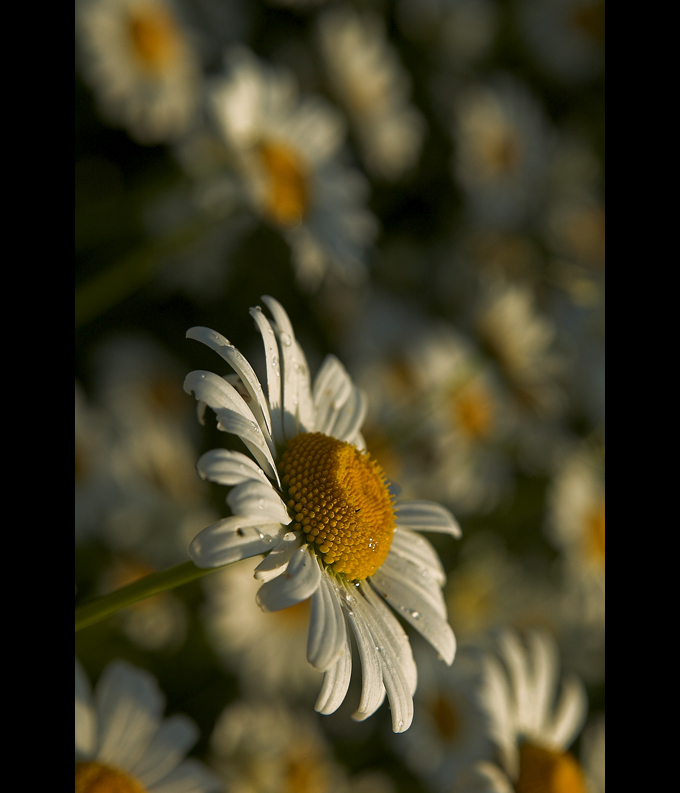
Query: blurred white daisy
{"points": [[366, 76], [139, 59], [124, 744], [320, 509], [530, 725], [566, 36], [501, 151], [593, 745], [287, 148], [522, 341]]}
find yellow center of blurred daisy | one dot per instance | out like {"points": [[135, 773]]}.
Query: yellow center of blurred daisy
{"points": [[444, 716], [99, 778], [155, 37], [287, 196], [543, 770], [595, 529], [340, 500], [473, 409]]}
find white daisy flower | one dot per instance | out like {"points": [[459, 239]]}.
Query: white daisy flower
{"points": [[366, 76], [522, 342], [286, 149], [139, 59], [124, 744], [501, 151], [320, 509], [530, 726]]}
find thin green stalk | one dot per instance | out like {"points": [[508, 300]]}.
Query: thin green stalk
{"points": [[99, 608]]}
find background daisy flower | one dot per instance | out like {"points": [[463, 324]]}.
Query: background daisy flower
{"points": [[320, 509], [124, 744]]}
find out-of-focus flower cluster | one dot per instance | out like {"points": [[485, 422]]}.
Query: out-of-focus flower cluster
{"points": [[420, 183]]}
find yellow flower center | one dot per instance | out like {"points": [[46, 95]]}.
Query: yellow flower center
{"points": [[543, 770], [94, 777], [287, 196], [595, 533], [155, 38], [473, 408], [340, 500]]}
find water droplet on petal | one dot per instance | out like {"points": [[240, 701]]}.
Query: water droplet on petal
{"points": [[285, 339], [415, 615], [289, 536]]}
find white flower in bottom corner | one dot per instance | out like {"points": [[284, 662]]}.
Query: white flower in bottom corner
{"points": [[123, 744], [320, 508], [530, 724]]}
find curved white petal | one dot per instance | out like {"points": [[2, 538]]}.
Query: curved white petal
{"points": [[275, 562], [189, 777], [419, 578], [326, 637], [417, 550], [372, 688], [225, 349], [332, 389], [296, 389], [258, 498], [298, 582], [168, 748], [251, 434], [398, 668], [273, 363], [86, 723], [570, 714], [426, 516], [129, 710], [515, 658], [351, 417], [226, 467], [498, 703], [232, 539], [415, 607], [336, 681], [544, 661]]}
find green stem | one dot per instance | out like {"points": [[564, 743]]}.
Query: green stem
{"points": [[99, 608], [133, 271]]}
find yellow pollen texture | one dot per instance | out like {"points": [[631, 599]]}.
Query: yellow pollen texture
{"points": [[474, 410], [339, 498], [98, 778], [543, 770], [287, 197], [155, 38]]}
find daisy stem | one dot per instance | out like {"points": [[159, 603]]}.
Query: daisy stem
{"points": [[127, 275], [101, 607]]}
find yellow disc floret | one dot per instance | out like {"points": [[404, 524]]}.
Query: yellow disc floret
{"points": [[339, 498], [543, 770], [287, 193], [94, 777], [155, 38]]}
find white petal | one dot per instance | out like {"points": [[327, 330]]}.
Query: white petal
{"points": [[351, 417], [251, 434], [417, 609], [275, 562], [484, 777], [426, 516], [232, 539], [226, 467], [299, 581], [168, 748], [326, 637], [86, 724], [224, 348], [336, 681], [418, 578], [273, 361], [515, 657], [498, 703], [258, 498], [544, 657], [570, 714], [332, 388], [399, 669], [129, 709], [296, 389], [413, 548]]}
